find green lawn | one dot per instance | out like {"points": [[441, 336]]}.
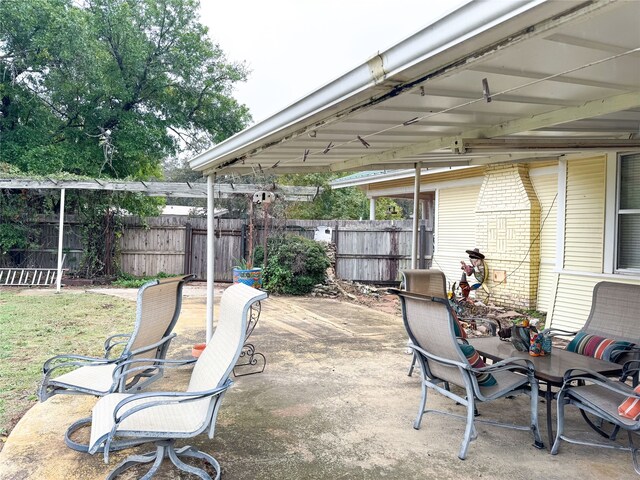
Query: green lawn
{"points": [[36, 327]]}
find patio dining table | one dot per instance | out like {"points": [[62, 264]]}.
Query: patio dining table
{"points": [[549, 369]]}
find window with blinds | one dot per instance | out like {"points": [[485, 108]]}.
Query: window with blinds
{"points": [[628, 235]]}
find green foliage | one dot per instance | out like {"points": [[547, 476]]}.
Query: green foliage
{"points": [[106, 88], [110, 87], [344, 203], [126, 280], [294, 264]]}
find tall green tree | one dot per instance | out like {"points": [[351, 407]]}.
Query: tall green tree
{"points": [[344, 203], [110, 87], [105, 88]]}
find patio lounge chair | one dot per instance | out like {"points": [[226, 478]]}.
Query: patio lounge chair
{"points": [[157, 311], [120, 420], [599, 396], [430, 326]]}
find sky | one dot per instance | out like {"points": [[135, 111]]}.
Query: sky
{"points": [[293, 47]]}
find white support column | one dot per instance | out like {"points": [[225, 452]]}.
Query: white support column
{"points": [[60, 240], [416, 214], [372, 208], [423, 209], [210, 254]]}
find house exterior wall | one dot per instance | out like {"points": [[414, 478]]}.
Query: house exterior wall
{"points": [[545, 184], [455, 229], [507, 225], [583, 223]]}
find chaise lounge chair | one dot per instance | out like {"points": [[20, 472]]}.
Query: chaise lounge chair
{"points": [[157, 311]]}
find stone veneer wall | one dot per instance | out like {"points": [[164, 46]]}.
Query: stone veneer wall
{"points": [[507, 225]]}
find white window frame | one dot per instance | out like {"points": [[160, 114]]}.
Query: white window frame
{"points": [[611, 217]]}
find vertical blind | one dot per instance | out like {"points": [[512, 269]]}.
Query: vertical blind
{"points": [[629, 213]]}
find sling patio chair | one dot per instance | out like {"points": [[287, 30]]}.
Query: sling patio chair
{"points": [[446, 360], [610, 333], [613, 401], [433, 283], [121, 420], [157, 311]]}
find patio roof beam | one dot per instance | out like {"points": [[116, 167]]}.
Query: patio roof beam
{"points": [[586, 110], [480, 145], [159, 189]]}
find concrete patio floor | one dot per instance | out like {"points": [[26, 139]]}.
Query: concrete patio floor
{"points": [[334, 402]]}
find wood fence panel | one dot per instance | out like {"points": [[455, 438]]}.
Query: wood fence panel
{"points": [[152, 246], [367, 251], [45, 255]]}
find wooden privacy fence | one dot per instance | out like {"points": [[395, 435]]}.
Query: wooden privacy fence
{"points": [[45, 255], [367, 251]]}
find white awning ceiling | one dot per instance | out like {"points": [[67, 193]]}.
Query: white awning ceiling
{"points": [[561, 76]]}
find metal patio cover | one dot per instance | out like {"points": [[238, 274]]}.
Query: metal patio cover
{"points": [[490, 82]]}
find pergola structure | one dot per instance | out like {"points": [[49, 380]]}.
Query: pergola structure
{"points": [[490, 82], [153, 189]]}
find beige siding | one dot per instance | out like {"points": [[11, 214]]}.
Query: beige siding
{"points": [[456, 229], [573, 300], [546, 187], [584, 216], [584, 244]]}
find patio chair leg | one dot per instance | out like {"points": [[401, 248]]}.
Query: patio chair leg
{"points": [[413, 364], [165, 449], [470, 432], [535, 426], [191, 452], [129, 462], [634, 452], [560, 417], [423, 402]]}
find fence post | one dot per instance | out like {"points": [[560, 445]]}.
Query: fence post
{"points": [[423, 245], [188, 246]]}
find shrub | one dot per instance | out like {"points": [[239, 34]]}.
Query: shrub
{"points": [[294, 264], [126, 280]]}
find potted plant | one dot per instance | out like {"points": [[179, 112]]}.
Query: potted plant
{"points": [[244, 272]]}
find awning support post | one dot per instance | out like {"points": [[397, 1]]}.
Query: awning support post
{"points": [[60, 240], [416, 216], [210, 254]]}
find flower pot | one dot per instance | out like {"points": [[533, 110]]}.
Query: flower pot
{"points": [[250, 276], [197, 349]]}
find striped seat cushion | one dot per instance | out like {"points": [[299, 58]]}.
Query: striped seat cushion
{"points": [[630, 408], [484, 379], [598, 347]]}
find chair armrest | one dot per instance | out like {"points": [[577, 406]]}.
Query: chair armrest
{"points": [[435, 358], [511, 363], [158, 364], [153, 346], [556, 332], [595, 377], [109, 343], [630, 368], [71, 360], [171, 398]]}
